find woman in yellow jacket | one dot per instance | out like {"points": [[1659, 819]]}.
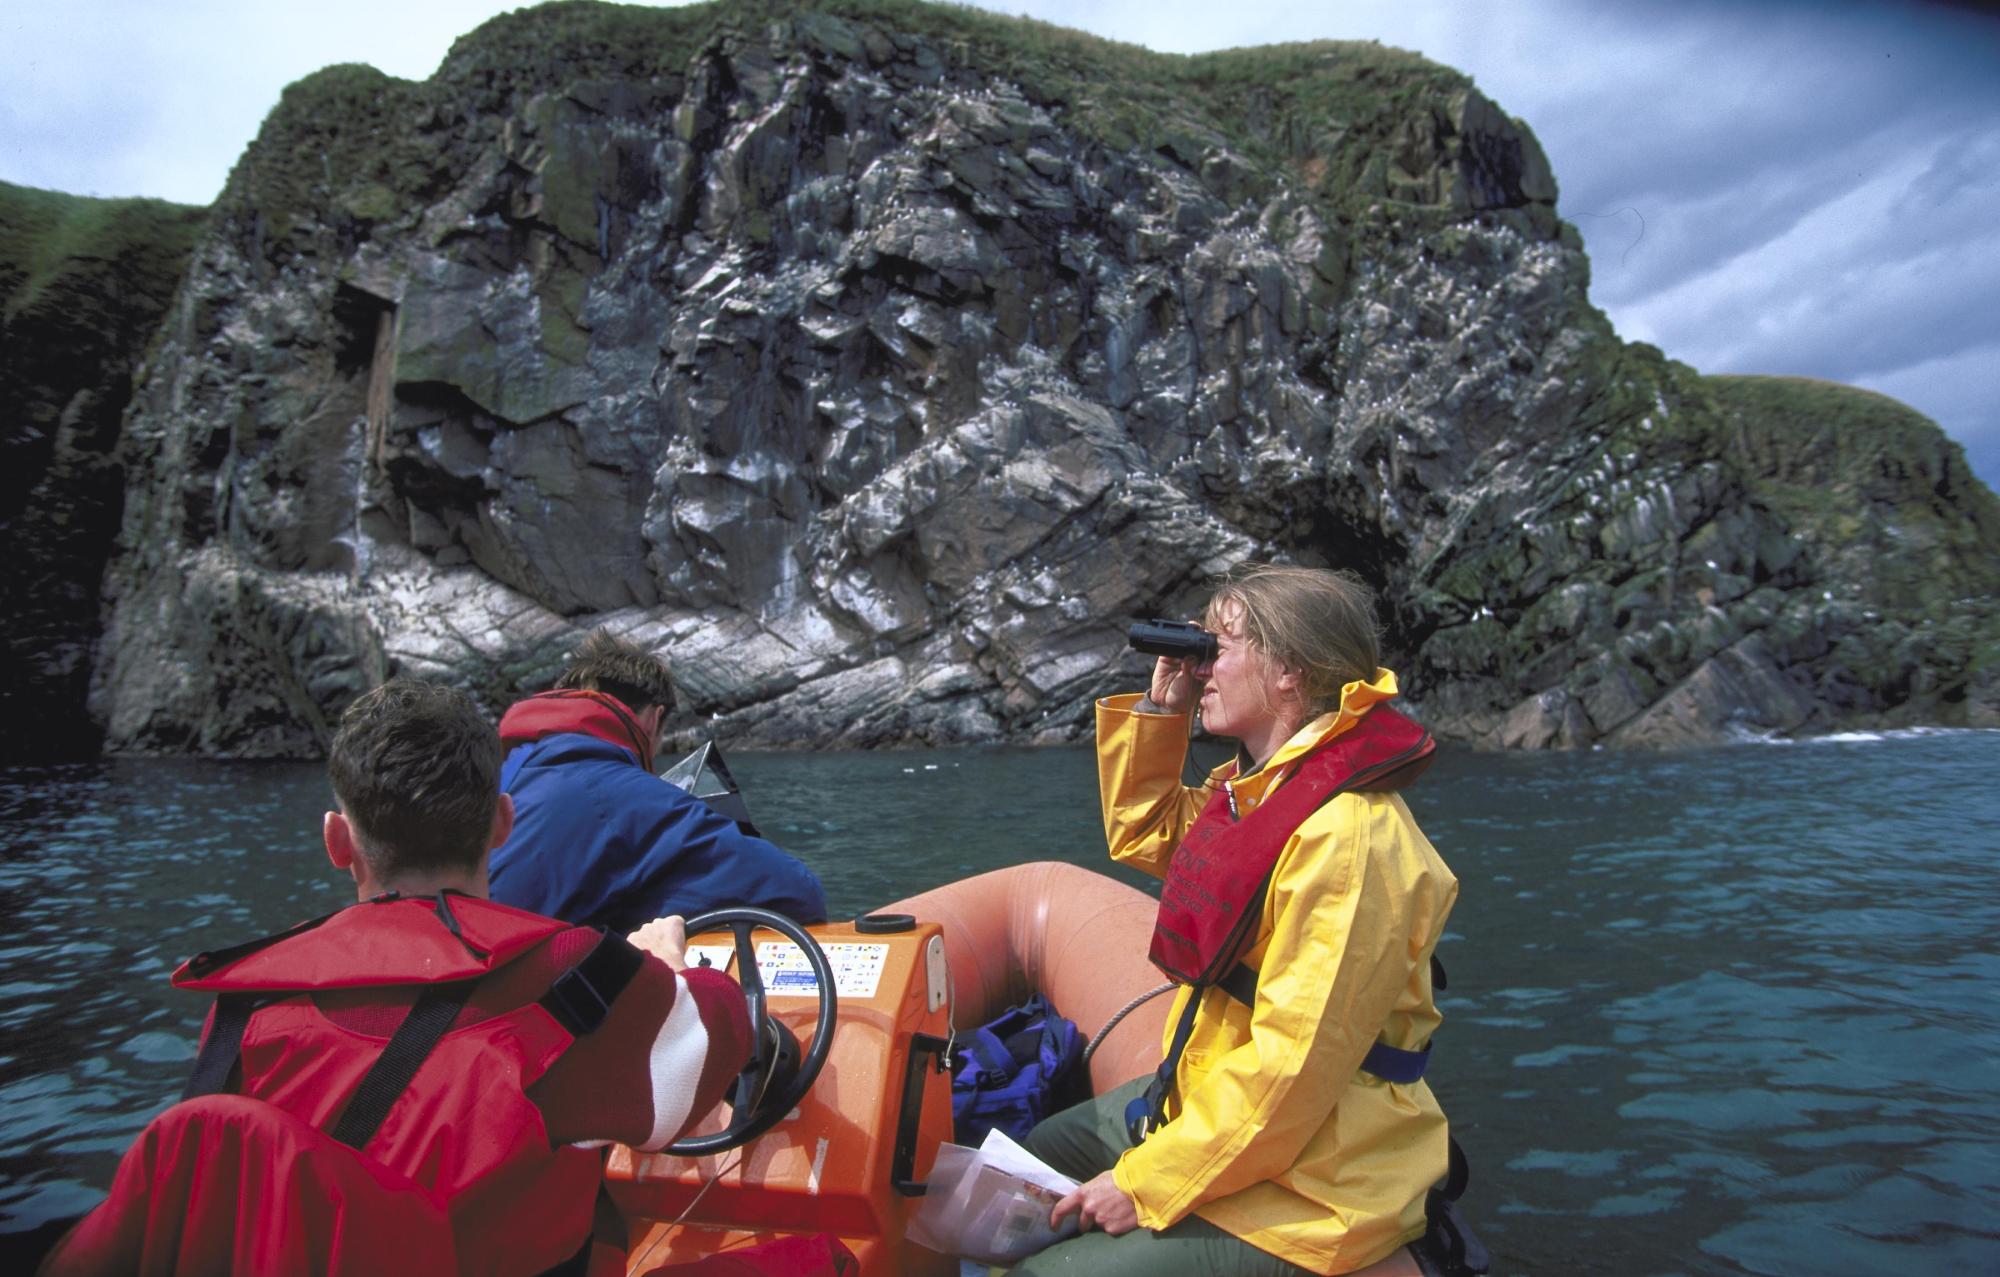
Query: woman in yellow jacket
{"points": [[1274, 1150]]}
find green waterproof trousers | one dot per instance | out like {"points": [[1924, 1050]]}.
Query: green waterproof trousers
{"points": [[1084, 1141]]}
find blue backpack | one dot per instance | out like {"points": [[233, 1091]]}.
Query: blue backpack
{"points": [[1016, 1071]]}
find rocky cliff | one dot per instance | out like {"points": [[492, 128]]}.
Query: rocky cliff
{"points": [[83, 284], [879, 361]]}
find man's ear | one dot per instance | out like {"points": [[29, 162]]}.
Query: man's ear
{"points": [[338, 835], [650, 719], [503, 822]]}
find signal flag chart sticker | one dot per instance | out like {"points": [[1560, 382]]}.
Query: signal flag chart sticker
{"points": [[857, 969]]}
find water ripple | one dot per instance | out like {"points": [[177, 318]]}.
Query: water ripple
{"points": [[1720, 1012]]}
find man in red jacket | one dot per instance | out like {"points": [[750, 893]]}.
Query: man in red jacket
{"points": [[418, 1081]]}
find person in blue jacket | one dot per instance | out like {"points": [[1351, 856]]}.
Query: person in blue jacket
{"points": [[598, 838]]}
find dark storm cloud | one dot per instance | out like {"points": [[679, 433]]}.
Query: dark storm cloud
{"points": [[1807, 189], [1692, 99]]}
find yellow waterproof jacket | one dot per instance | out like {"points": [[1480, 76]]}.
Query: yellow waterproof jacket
{"points": [[1274, 1134]]}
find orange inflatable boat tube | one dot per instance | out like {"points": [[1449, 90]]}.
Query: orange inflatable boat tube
{"points": [[1077, 936]]}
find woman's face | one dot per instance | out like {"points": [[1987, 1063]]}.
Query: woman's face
{"points": [[1245, 690]]}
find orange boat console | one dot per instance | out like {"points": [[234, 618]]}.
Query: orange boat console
{"points": [[849, 1158]]}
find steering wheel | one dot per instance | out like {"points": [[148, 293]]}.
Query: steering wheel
{"points": [[776, 1077]]}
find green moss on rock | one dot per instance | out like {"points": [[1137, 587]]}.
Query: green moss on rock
{"points": [[83, 285], [1875, 488], [340, 137]]}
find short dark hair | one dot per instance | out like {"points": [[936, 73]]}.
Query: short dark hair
{"points": [[620, 668], [416, 769]]}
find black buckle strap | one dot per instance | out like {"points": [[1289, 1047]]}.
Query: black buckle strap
{"points": [[1457, 1173], [1147, 1113], [387, 1078], [1240, 982], [1449, 1248], [390, 1076], [582, 996], [222, 1046]]}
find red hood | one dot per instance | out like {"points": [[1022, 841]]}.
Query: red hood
{"points": [[391, 940], [575, 711]]}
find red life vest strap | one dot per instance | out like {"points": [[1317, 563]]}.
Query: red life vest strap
{"points": [[1216, 881]]}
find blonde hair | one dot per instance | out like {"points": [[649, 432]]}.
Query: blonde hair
{"points": [[1318, 623]]}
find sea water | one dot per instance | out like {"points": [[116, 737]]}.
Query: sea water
{"points": [[1724, 1011]]}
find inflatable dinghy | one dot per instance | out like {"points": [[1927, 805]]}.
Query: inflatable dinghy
{"points": [[846, 1152]]}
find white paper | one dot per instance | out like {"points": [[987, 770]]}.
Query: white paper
{"points": [[1001, 1151], [990, 1204]]}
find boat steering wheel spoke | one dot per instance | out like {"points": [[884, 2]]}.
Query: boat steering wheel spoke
{"points": [[748, 976], [777, 1076]]}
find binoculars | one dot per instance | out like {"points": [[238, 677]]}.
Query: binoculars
{"points": [[1180, 639]]}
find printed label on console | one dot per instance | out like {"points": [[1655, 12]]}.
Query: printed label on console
{"points": [[857, 969]]}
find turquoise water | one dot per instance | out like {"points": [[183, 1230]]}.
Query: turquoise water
{"points": [[1729, 1011]]}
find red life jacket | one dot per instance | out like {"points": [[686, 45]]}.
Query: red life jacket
{"points": [[225, 1184], [575, 710], [1215, 883], [463, 1129]]}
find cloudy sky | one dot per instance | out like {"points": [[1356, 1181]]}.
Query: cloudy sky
{"points": [[1805, 187]]}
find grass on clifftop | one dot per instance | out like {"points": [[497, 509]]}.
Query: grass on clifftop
{"points": [[1845, 440], [48, 237], [1848, 466], [346, 132], [1334, 101], [1323, 113]]}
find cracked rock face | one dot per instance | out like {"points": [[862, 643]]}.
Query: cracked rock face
{"points": [[880, 393], [83, 285]]}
